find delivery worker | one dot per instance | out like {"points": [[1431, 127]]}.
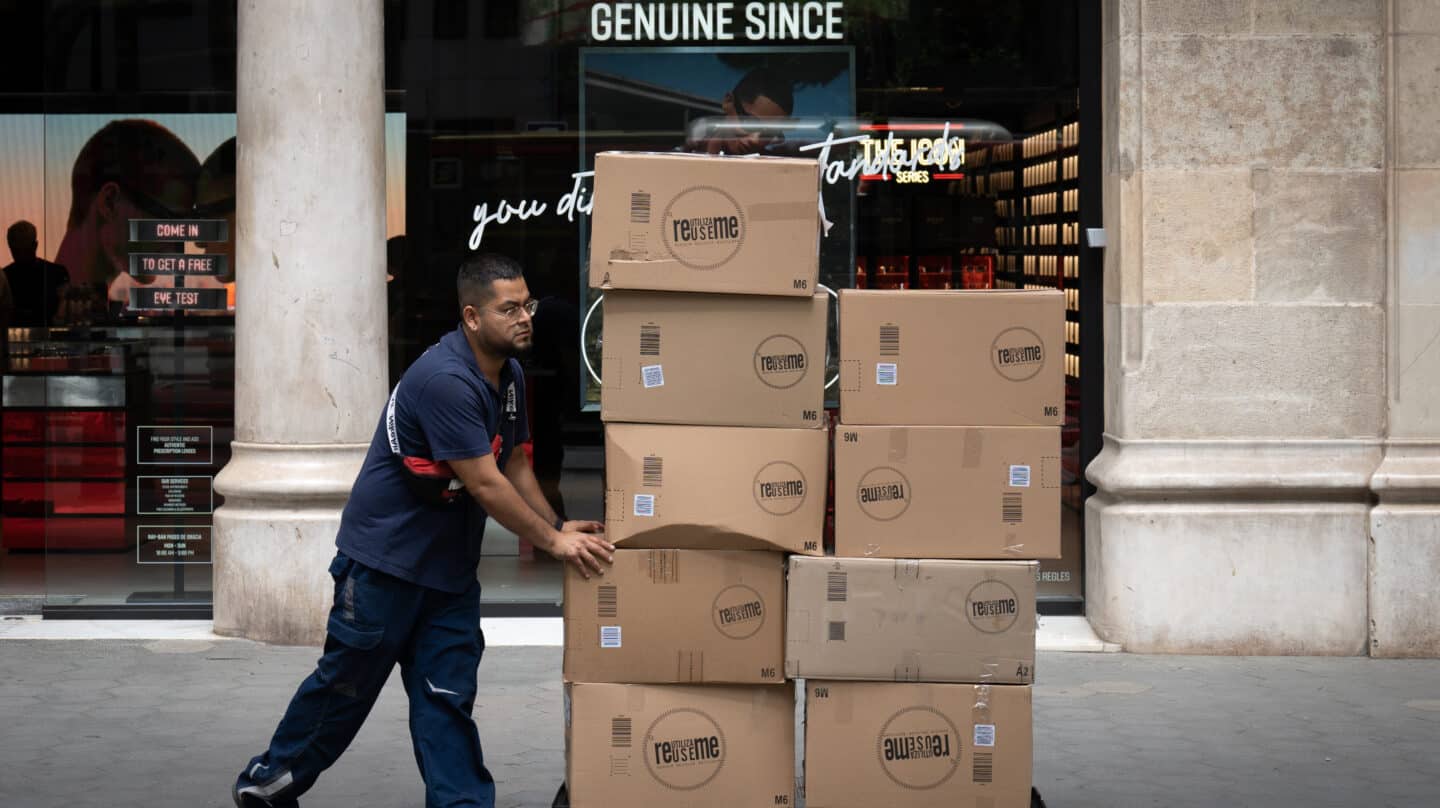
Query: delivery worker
{"points": [[409, 543]]}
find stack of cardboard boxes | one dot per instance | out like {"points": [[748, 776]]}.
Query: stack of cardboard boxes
{"points": [[917, 641], [712, 395]]}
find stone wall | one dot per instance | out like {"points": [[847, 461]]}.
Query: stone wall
{"points": [[1263, 160]]}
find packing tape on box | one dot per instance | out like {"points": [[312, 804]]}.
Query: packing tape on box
{"points": [[972, 449], [780, 211], [759, 706], [635, 698], [909, 668], [899, 445], [906, 568], [732, 569], [844, 698], [981, 713]]}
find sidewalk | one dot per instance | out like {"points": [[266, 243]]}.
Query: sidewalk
{"points": [[169, 722]]}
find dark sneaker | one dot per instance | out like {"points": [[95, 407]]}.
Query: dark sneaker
{"points": [[248, 796]]}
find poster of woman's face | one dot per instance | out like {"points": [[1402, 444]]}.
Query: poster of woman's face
{"points": [[81, 179]]}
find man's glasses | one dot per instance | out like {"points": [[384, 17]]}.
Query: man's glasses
{"points": [[512, 311]]}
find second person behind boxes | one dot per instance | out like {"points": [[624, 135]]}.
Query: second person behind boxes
{"points": [[409, 540]]}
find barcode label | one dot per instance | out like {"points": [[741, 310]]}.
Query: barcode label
{"points": [[649, 340], [885, 374], [1010, 511], [621, 732], [837, 631], [1019, 476], [644, 504], [652, 376], [984, 734], [609, 636], [889, 340], [837, 587], [607, 601], [640, 207], [653, 471], [984, 767]]}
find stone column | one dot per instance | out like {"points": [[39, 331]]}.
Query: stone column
{"points": [[1244, 325], [1405, 525], [310, 306]]}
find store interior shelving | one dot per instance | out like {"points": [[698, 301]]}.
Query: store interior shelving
{"points": [[1035, 183]]}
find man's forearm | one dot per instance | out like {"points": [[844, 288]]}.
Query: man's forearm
{"points": [[503, 501], [520, 473]]}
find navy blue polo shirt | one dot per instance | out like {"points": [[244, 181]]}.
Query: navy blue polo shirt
{"points": [[445, 409]]}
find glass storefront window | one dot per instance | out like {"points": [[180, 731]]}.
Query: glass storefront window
{"points": [[951, 136], [505, 123]]}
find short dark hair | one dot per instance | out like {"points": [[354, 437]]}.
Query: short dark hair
{"points": [[139, 155], [478, 274], [21, 235], [769, 83]]}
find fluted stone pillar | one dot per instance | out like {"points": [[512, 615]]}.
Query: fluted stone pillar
{"points": [[310, 306], [1405, 524], [1245, 283]]}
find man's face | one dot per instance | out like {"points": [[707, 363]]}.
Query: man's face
{"points": [[752, 135], [502, 324]]}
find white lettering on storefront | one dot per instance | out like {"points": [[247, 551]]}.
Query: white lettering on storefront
{"points": [[715, 22], [877, 158]]}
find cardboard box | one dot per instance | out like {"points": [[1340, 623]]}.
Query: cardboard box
{"points": [[911, 621], [690, 616], [715, 488], [717, 360], [869, 744], [964, 358], [947, 492], [696, 746], [695, 223]]}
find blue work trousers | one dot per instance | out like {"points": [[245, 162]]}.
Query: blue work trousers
{"points": [[376, 621]]}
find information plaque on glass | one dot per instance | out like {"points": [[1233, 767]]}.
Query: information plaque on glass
{"points": [[172, 544]]}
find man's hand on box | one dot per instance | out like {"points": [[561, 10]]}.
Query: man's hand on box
{"points": [[582, 543]]}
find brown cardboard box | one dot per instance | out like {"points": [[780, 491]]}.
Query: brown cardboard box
{"points": [[717, 360], [695, 223], [691, 616], [715, 488], [895, 620], [869, 744], [947, 492], [696, 746], [964, 358]]}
